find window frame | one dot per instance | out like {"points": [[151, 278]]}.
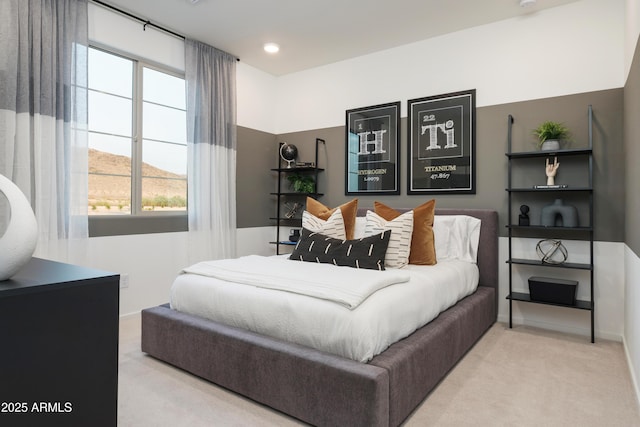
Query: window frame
{"points": [[138, 221]]}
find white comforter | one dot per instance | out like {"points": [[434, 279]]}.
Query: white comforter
{"points": [[343, 285], [388, 315]]}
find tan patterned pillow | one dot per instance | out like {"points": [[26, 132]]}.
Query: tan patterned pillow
{"points": [[423, 251], [349, 212], [397, 255], [332, 227]]}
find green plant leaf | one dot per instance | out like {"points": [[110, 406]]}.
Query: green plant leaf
{"points": [[551, 130], [301, 183]]}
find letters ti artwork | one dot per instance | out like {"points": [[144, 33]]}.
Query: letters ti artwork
{"points": [[371, 157], [442, 144], [438, 133]]}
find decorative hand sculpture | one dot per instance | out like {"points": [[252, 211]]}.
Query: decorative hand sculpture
{"points": [[551, 170]]}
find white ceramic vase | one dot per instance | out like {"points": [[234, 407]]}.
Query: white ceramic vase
{"points": [[19, 240]]}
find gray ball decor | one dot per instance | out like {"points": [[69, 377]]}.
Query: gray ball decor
{"points": [[558, 214], [551, 251]]}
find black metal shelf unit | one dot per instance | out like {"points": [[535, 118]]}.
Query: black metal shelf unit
{"points": [[281, 195], [584, 232]]}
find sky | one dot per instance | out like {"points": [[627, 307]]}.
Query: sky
{"points": [[110, 111]]}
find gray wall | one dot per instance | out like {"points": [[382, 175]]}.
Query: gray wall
{"points": [[256, 155], [491, 163], [632, 154]]}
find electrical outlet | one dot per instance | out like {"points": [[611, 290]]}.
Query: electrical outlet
{"points": [[124, 280]]}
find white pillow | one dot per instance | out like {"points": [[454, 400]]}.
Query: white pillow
{"points": [[358, 229], [456, 237], [400, 241], [441, 226], [332, 227]]}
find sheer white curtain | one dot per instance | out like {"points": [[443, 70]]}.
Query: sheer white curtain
{"points": [[211, 138], [43, 117]]}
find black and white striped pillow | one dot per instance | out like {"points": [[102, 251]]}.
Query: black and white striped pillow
{"points": [[400, 242], [332, 227], [368, 252]]}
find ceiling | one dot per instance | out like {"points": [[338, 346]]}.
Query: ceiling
{"points": [[314, 33]]}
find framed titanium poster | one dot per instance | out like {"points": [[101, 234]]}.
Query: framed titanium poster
{"points": [[441, 139], [372, 142]]}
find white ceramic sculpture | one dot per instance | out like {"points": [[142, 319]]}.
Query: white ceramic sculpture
{"points": [[19, 240]]}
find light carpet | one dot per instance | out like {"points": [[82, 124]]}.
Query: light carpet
{"points": [[511, 377]]}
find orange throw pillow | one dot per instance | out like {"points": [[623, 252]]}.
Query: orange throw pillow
{"points": [[349, 212], [423, 251]]}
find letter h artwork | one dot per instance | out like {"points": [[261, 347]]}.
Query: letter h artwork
{"points": [[372, 139]]}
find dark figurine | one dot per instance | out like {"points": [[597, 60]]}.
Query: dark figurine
{"points": [[523, 218]]}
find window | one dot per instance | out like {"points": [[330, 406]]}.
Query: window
{"points": [[137, 139]]}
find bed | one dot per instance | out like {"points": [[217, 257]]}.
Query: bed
{"points": [[322, 388]]}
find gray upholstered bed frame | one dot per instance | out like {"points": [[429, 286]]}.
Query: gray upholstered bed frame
{"points": [[320, 388]]}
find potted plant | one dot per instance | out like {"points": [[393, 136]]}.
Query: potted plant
{"points": [[550, 134], [301, 183]]}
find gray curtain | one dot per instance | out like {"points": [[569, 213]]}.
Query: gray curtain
{"points": [[43, 113], [211, 146]]}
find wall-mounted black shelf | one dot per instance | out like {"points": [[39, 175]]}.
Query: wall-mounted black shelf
{"points": [[547, 228], [298, 169], [538, 263], [584, 232], [520, 296], [282, 195], [550, 153], [297, 193], [548, 190], [284, 242]]}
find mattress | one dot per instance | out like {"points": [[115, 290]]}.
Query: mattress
{"points": [[388, 315]]}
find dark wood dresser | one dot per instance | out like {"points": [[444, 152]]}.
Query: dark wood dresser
{"points": [[59, 346]]}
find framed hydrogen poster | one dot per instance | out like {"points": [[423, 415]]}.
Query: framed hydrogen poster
{"points": [[372, 143], [441, 144]]}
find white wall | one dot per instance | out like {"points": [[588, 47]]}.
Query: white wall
{"points": [[632, 315], [151, 261], [505, 62], [256, 94], [151, 44], [632, 31]]}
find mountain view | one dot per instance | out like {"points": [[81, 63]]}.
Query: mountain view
{"points": [[110, 191]]}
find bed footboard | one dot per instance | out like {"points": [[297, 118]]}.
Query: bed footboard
{"points": [[419, 362], [315, 387]]}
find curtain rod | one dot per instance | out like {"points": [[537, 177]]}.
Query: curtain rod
{"points": [[146, 22], [137, 18]]}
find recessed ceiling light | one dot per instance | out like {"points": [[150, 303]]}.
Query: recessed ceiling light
{"points": [[525, 3], [271, 47]]}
